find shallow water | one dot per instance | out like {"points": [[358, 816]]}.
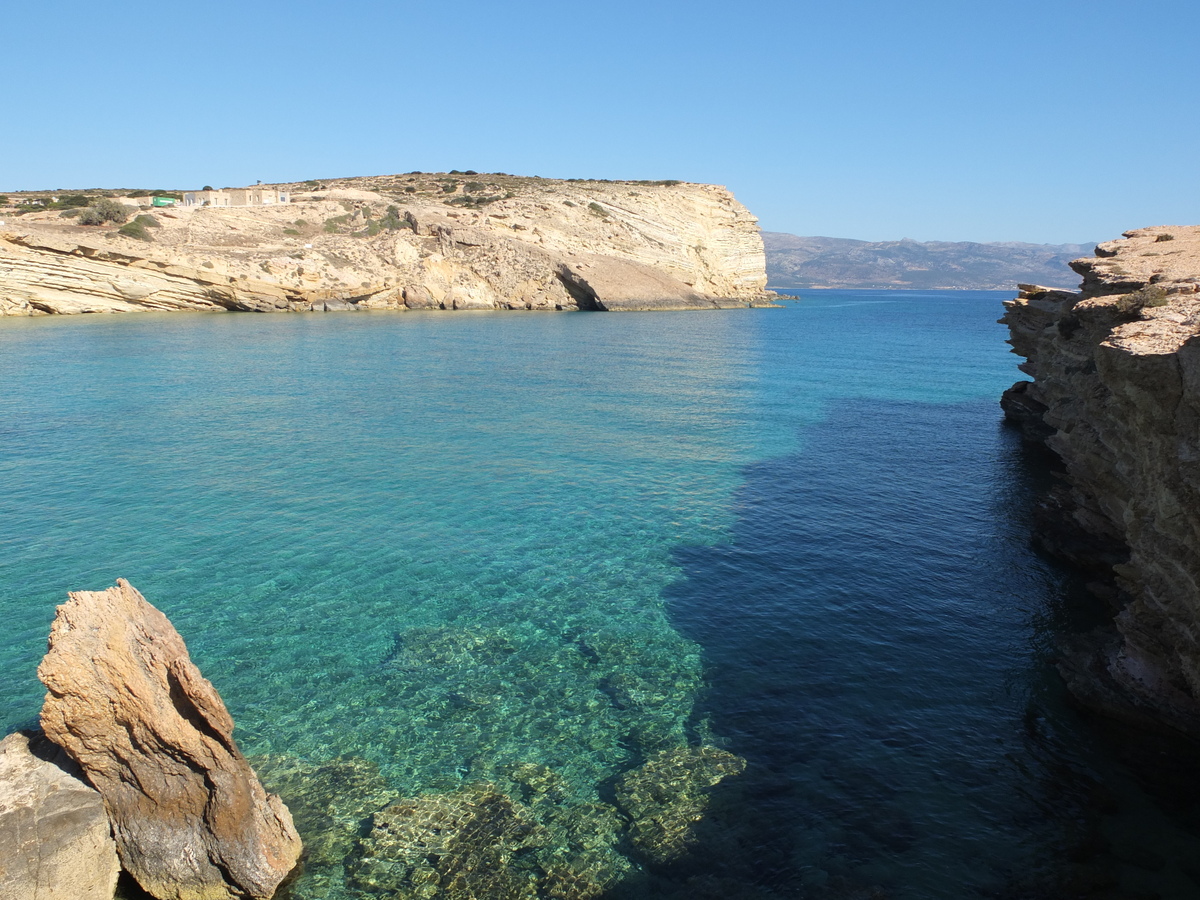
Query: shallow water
{"points": [[423, 553]]}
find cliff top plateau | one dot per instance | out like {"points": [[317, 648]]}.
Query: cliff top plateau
{"points": [[413, 241]]}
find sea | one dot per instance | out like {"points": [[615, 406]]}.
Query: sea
{"points": [[733, 603]]}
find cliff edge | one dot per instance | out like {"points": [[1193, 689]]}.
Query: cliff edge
{"points": [[1116, 395], [415, 241]]}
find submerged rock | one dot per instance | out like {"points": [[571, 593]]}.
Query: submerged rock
{"points": [[332, 804], [190, 817], [463, 844], [478, 843], [55, 840], [667, 795]]}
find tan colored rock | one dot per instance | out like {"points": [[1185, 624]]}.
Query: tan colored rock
{"points": [[417, 297], [599, 282], [1116, 394], [190, 817], [514, 244], [55, 840]]}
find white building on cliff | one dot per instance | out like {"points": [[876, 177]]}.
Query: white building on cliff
{"points": [[252, 196]]}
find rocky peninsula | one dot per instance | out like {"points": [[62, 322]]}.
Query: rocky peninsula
{"points": [[1116, 396], [416, 241]]}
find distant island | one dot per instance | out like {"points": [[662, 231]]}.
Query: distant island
{"points": [[795, 262]]}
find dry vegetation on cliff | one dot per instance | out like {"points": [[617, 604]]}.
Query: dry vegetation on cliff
{"points": [[419, 240]]}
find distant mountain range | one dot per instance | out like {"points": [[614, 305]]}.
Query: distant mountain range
{"points": [[812, 262]]}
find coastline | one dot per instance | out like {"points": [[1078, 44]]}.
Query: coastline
{"points": [[416, 241]]}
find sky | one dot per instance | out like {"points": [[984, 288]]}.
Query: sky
{"points": [[1051, 122]]}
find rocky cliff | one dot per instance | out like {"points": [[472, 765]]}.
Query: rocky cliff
{"points": [[1116, 395], [416, 241]]}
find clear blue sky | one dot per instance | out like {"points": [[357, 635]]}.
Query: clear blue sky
{"points": [[1044, 121]]}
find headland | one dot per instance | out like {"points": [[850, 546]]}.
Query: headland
{"points": [[451, 241]]}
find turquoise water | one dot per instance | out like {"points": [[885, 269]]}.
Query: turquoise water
{"points": [[562, 556]]}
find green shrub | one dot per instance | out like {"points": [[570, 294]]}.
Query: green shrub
{"points": [[104, 211], [598, 210], [1130, 305], [449, 187], [207, 187], [136, 229], [292, 231], [69, 213], [3, 201], [393, 221], [1164, 237], [73, 201], [331, 227], [410, 190], [474, 187], [300, 223]]}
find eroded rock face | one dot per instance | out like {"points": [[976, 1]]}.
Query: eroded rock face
{"points": [[191, 820], [490, 242], [55, 840], [1116, 395]]}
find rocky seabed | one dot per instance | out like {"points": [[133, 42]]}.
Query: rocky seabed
{"points": [[135, 770]]}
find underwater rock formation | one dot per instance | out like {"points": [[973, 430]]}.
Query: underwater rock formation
{"points": [[668, 794], [480, 843], [1116, 395], [466, 844], [190, 818], [55, 840]]}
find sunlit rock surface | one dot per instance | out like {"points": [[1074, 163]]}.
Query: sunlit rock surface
{"points": [[55, 840], [417, 241], [191, 820]]}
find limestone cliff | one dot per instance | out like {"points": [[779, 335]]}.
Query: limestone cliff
{"points": [[416, 241], [1116, 395]]}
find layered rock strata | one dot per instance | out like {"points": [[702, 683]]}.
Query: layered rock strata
{"points": [[55, 840], [190, 817], [402, 242], [1116, 395]]}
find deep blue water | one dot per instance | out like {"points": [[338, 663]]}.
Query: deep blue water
{"points": [[445, 546]]}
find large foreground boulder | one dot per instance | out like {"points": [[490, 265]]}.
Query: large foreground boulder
{"points": [[55, 841], [190, 817]]}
